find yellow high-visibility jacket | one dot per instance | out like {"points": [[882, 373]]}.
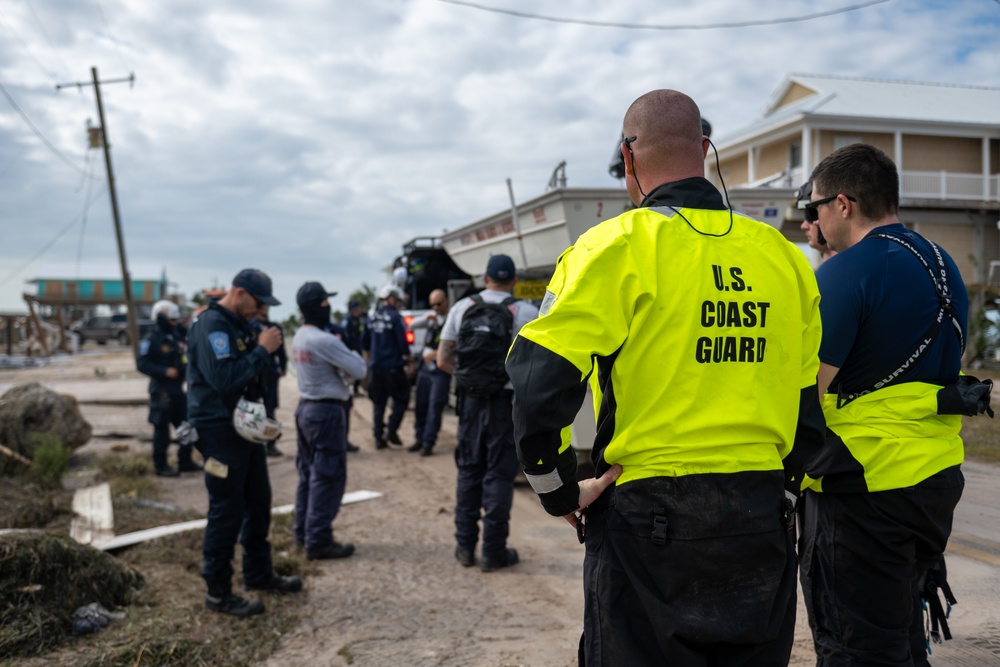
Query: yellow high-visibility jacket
{"points": [[703, 328]]}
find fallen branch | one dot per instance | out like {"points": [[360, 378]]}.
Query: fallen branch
{"points": [[14, 455]]}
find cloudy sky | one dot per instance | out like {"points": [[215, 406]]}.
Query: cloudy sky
{"points": [[311, 138]]}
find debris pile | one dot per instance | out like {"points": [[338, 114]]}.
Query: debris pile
{"points": [[30, 409], [44, 578]]}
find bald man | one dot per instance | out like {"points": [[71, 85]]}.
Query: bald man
{"points": [[698, 329], [433, 382]]}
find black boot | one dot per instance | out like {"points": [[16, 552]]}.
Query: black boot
{"points": [[508, 558], [278, 584], [222, 600]]}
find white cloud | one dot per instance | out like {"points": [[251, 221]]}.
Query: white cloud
{"points": [[311, 139]]}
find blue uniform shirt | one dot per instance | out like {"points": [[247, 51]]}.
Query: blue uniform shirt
{"points": [[159, 351], [385, 337], [225, 364], [877, 304]]}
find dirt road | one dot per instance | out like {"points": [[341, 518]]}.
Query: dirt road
{"points": [[403, 599]]}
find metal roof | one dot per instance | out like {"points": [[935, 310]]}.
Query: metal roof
{"points": [[902, 101]]}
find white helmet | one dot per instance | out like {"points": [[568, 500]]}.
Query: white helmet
{"points": [[400, 275], [252, 423], [391, 290], [169, 310]]}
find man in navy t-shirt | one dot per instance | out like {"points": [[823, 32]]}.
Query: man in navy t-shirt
{"points": [[881, 494]]}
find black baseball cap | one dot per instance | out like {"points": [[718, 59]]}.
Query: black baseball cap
{"points": [[501, 268], [312, 292], [257, 284]]}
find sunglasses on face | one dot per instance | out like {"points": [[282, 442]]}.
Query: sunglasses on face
{"points": [[812, 208]]}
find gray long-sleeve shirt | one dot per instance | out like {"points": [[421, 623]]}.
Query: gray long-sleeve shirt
{"points": [[321, 362]]}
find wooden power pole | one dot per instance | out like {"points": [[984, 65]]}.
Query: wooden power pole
{"points": [[133, 321]]}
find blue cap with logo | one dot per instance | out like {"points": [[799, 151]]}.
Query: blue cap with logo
{"points": [[257, 284], [501, 268]]}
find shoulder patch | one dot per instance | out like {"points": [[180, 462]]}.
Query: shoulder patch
{"points": [[220, 344], [144, 347]]}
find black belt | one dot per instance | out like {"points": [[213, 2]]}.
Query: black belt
{"points": [[335, 401]]}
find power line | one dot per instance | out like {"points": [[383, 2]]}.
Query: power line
{"points": [[48, 245], [114, 41], [46, 33], [83, 227], [31, 55], [39, 134], [642, 26]]}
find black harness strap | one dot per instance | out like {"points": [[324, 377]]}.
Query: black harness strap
{"points": [[940, 281]]}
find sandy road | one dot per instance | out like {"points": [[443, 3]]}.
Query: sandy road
{"points": [[404, 600]]}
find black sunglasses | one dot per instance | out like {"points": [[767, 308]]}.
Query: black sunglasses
{"points": [[811, 212]]}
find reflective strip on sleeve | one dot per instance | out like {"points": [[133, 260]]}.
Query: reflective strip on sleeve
{"points": [[546, 483]]}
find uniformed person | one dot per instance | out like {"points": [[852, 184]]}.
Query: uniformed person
{"points": [[279, 365], [474, 342], [883, 491], [697, 328], [163, 358], [227, 365], [388, 357]]}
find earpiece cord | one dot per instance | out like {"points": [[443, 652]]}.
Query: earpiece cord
{"points": [[718, 168]]}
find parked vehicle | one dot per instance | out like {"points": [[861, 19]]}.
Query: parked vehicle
{"points": [[428, 268], [103, 328]]}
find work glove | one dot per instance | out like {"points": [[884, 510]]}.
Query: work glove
{"points": [[969, 396]]}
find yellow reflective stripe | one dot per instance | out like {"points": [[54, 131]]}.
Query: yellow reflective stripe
{"points": [[567, 439]]}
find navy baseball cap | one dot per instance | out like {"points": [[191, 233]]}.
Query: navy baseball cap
{"points": [[312, 292], [353, 304], [501, 268], [257, 284]]}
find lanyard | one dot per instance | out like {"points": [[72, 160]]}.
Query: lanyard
{"points": [[940, 282]]}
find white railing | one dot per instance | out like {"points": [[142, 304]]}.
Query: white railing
{"points": [[949, 185], [942, 185]]}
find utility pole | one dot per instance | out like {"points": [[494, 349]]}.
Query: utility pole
{"points": [[133, 322]]}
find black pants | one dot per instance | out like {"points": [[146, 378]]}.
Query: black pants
{"points": [[388, 383], [166, 409], [239, 507], [431, 397], [862, 555], [690, 571], [487, 465]]}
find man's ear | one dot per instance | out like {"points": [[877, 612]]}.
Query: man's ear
{"points": [[846, 205], [626, 158]]}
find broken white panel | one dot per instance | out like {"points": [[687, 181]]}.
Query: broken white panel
{"points": [[94, 520], [139, 536]]}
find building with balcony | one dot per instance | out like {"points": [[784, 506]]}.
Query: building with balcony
{"points": [[944, 139]]}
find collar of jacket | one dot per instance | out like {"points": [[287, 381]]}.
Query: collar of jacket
{"points": [[233, 318], [696, 192]]}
